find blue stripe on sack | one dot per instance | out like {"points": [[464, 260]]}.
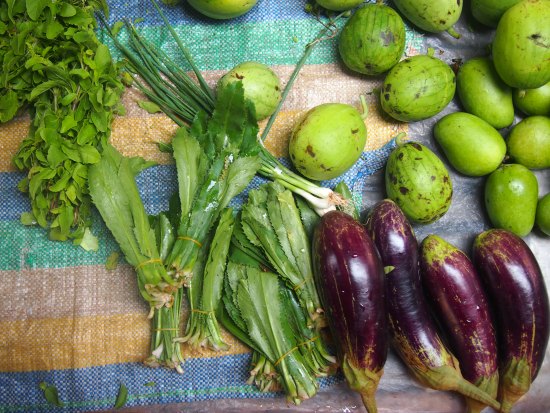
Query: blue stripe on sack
{"points": [[156, 185], [96, 388], [183, 13]]}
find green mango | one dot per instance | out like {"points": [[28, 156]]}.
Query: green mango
{"points": [[520, 49], [222, 9], [327, 141], [542, 219], [489, 12], [533, 101], [417, 180], [373, 40], [529, 142], [472, 146], [432, 16], [339, 5], [511, 195], [417, 88], [484, 94]]}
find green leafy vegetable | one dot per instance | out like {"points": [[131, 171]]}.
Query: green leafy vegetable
{"points": [[205, 289], [256, 305], [54, 65]]}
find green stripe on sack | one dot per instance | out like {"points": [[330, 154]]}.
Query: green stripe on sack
{"points": [[24, 247], [271, 42], [222, 47]]}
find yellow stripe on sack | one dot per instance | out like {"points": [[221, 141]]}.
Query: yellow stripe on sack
{"points": [[68, 343]]}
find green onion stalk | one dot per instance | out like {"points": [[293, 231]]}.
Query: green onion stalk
{"points": [[181, 98]]}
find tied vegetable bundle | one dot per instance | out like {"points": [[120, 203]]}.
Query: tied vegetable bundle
{"points": [[53, 64], [209, 176]]}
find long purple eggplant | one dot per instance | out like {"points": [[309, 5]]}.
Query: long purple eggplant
{"points": [[350, 279], [456, 294], [413, 331], [515, 285]]}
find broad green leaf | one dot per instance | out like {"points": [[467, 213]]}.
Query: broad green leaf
{"points": [[9, 105], [54, 29], [112, 261], [121, 397], [44, 87], [149, 106], [102, 58], [35, 8], [101, 120], [68, 123], [89, 241], [86, 134], [27, 218], [61, 183], [66, 218], [89, 154], [66, 10], [68, 99], [51, 394]]}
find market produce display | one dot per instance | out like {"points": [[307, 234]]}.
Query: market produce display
{"points": [[235, 204]]}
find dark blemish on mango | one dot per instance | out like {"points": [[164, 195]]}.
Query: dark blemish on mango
{"points": [[387, 96], [393, 179], [416, 146], [387, 37], [238, 76], [354, 131], [310, 152], [403, 190], [400, 156], [432, 178]]}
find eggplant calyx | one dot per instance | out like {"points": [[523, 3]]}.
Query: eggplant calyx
{"points": [[363, 381], [449, 378], [514, 383]]}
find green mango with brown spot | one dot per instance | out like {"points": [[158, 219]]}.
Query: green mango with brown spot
{"points": [[521, 45], [489, 12], [417, 88], [432, 16], [373, 40], [418, 181]]}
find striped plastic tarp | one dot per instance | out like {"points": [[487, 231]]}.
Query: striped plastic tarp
{"points": [[64, 318]]}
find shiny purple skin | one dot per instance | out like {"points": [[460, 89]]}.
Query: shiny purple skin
{"points": [[460, 304], [413, 331], [515, 285], [350, 278]]}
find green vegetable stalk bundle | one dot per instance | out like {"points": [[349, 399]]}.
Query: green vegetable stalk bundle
{"points": [[54, 65]]}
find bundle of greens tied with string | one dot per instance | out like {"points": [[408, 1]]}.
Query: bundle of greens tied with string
{"points": [[226, 262]]}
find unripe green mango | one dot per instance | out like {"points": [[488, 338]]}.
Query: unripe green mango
{"points": [[432, 16], [373, 40], [521, 46], [484, 94], [529, 142], [542, 219], [533, 101], [327, 141], [417, 88], [472, 146], [339, 5], [418, 182], [261, 86], [489, 12], [511, 195]]}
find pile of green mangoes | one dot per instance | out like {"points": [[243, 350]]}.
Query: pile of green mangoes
{"points": [[481, 139]]}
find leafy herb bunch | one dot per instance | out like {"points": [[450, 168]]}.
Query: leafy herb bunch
{"points": [[54, 65]]}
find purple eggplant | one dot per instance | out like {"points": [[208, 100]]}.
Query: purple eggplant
{"points": [[413, 332], [350, 279], [515, 286], [456, 294]]}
